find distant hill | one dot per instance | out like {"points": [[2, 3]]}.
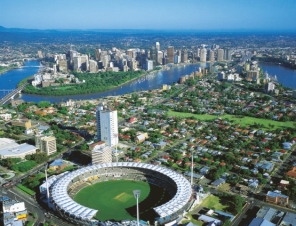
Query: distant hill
{"points": [[4, 29]]}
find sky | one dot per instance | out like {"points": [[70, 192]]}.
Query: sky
{"points": [[149, 14]]}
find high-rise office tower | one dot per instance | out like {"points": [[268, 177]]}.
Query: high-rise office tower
{"points": [[159, 57], [40, 55], [84, 62], [227, 54], [203, 55], [76, 63], [220, 55], [93, 66], [122, 63], [130, 53], [105, 60], [98, 53], [147, 53], [171, 54], [165, 60], [107, 125], [153, 55], [198, 52], [157, 46], [179, 52], [148, 65], [177, 59], [212, 56], [184, 56]]}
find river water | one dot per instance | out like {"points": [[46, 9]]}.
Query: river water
{"points": [[10, 79], [285, 76]]}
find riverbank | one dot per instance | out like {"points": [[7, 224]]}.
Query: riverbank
{"points": [[87, 87], [278, 61], [166, 76], [6, 69], [92, 83]]}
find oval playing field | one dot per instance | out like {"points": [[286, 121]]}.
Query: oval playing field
{"points": [[117, 197], [105, 192]]}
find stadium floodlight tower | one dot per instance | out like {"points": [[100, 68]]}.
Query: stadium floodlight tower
{"points": [[116, 151], [137, 196], [47, 189], [191, 179]]}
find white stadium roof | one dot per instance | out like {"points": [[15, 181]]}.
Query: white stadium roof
{"points": [[63, 201]]}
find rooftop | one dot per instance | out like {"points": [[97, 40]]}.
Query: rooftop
{"points": [[17, 149]]}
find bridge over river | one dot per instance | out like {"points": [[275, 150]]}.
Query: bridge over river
{"points": [[11, 95]]}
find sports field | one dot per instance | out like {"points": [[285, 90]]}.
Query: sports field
{"points": [[115, 199], [244, 121]]}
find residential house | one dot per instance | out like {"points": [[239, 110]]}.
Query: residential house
{"points": [[276, 197], [160, 145], [5, 116], [132, 120], [261, 222], [218, 182], [289, 219], [57, 164], [141, 138], [204, 170], [209, 220], [265, 166], [292, 172]]}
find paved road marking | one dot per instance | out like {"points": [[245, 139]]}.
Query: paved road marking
{"points": [[23, 198]]}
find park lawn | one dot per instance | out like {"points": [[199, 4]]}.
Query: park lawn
{"points": [[224, 187], [213, 202], [24, 189], [112, 197], [244, 121], [196, 222]]}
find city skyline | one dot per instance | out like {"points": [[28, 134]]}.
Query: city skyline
{"points": [[167, 15]]}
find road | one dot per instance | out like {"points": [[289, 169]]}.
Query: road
{"points": [[31, 204], [33, 207], [12, 94]]}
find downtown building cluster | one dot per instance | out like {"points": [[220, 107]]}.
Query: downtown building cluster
{"points": [[134, 59]]}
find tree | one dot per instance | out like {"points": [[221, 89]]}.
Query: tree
{"points": [[176, 156], [43, 104], [227, 223], [84, 147], [9, 162], [24, 166], [238, 203]]}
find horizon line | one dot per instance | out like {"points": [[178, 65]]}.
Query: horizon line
{"points": [[156, 29]]}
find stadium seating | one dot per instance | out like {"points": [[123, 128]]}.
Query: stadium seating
{"points": [[65, 188]]}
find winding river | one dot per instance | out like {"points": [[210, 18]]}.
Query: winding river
{"points": [[10, 79]]}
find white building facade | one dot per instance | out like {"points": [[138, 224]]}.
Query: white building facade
{"points": [[46, 144], [107, 125], [101, 154]]}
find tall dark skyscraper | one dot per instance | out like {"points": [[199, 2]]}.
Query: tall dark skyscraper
{"points": [[171, 53], [184, 56], [153, 55], [227, 54]]}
